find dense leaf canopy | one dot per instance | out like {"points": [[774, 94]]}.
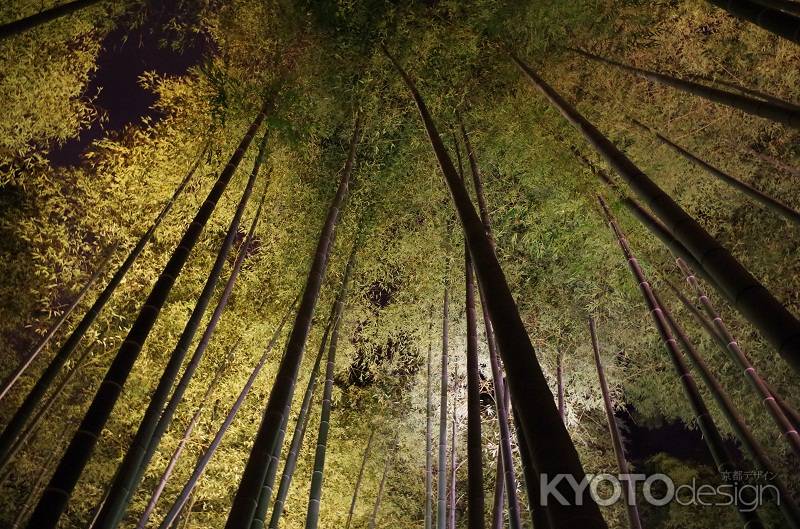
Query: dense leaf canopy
{"points": [[322, 61]]}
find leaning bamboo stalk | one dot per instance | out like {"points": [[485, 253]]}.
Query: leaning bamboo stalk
{"points": [[360, 476], [22, 25], [56, 325], [54, 500], [734, 419], [428, 440], [763, 14], [736, 353], [204, 460], [708, 326], [629, 490], [265, 494], [762, 198], [711, 435], [780, 327], [451, 507], [788, 6], [765, 109], [315, 494], [499, 493]]}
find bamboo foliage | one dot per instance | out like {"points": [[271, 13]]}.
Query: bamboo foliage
{"points": [[56, 325], [48, 15], [765, 200], [780, 327], [23, 414]]}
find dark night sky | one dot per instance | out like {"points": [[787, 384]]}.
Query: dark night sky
{"points": [[120, 63]]}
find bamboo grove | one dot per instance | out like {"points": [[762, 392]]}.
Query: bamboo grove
{"points": [[274, 264]]}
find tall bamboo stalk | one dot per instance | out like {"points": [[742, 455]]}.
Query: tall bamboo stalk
{"points": [[475, 509], [441, 479], [736, 353], [428, 438], [48, 15], [629, 490], [787, 116], [560, 384], [762, 198], [300, 429], [451, 507], [156, 418], [711, 435], [499, 493], [23, 414], [360, 476], [509, 481], [58, 492], [763, 14], [204, 460], [56, 325], [246, 500], [780, 327], [708, 326], [315, 494], [784, 500], [374, 516], [265, 495], [553, 452]]}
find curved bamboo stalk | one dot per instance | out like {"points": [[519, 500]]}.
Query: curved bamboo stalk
{"points": [[315, 494], [736, 353], [629, 491], [202, 463], [246, 500], [56, 325], [58, 492], [788, 6], [780, 327], [154, 423], [787, 116], [23, 414], [711, 435], [762, 198], [762, 14]]}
